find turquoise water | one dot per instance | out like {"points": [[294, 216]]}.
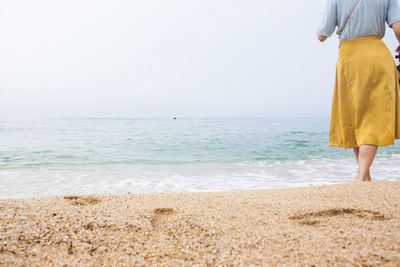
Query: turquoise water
{"points": [[58, 156]]}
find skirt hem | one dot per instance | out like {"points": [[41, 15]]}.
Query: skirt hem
{"points": [[358, 145]]}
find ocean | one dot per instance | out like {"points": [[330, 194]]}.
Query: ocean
{"points": [[46, 157]]}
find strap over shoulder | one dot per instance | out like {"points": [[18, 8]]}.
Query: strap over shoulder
{"points": [[351, 16]]}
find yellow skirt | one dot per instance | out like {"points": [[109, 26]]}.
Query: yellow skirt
{"points": [[366, 102]]}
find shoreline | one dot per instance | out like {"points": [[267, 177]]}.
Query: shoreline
{"points": [[343, 224], [100, 195]]}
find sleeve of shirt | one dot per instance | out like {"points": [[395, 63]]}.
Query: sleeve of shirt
{"points": [[329, 20], [393, 13]]}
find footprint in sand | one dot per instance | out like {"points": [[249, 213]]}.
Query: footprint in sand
{"points": [[158, 215], [83, 200], [310, 218], [186, 226]]}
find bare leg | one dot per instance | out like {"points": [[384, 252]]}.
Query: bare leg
{"points": [[366, 156], [356, 153]]}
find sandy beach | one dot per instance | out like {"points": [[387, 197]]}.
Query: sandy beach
{"points": [[346, 224]]}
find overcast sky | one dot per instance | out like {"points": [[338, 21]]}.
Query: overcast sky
{"points": [[147, 58]]}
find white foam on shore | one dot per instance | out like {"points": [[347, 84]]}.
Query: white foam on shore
{"points": [[120, 179]]}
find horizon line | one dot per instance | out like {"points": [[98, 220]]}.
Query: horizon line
{"points": [[165, 117]]}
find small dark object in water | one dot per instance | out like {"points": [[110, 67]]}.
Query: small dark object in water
{"points": [[174, 118]]}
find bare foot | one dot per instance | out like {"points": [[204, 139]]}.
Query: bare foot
{"points": [[360, 178]]}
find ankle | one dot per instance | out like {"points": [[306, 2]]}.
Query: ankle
{"points": [[363, 176]]}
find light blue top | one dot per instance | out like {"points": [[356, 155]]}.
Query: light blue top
{"points": [[369, 19]]}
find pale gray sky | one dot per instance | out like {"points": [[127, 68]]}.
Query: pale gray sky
{"points": [[144, 58]]}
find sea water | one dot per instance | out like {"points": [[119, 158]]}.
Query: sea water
{"points": [[43, 157]]}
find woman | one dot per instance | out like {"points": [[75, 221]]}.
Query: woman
{"points": [[366, 103]]}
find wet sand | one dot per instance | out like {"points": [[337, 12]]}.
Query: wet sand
{"points": [[345, 224]]}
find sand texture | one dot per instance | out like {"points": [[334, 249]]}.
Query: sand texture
{"points": [[355, 224]]}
